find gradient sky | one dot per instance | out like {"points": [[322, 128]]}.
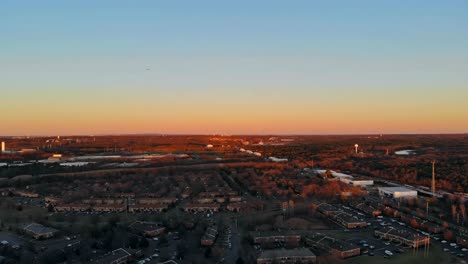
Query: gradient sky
{"points": [[280, 67]]}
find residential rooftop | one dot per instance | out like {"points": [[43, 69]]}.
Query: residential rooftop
{"points": [[296, 252]]}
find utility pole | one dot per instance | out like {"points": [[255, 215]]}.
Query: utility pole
{"points": [[433, 178]]}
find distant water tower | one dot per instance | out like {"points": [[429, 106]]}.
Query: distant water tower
{"points": [[356, 147], [3, 146]]}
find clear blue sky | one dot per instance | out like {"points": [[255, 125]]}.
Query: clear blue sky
{"points": [[279, 58]]}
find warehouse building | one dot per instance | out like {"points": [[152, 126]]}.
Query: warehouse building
{"points": [[357, 182], [397, 192]]}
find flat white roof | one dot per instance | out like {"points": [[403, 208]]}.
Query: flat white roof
{"points": [[396, 189], [336, 174]]}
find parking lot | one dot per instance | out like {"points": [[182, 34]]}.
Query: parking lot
{"points": [[379, 246], [11, 238]]}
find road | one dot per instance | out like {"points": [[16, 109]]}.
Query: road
{"points": [[233, 253]]}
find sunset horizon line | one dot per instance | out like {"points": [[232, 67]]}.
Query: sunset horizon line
{"points": [[234, 134]]}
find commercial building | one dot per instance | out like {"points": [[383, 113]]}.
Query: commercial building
{"points": [[349, 221], [38, 231], [345, 219], [3, 146], [336, 247], [357, 182], [327, 209], [397, 192], [402, 236], [334, 174], [293, 256]]}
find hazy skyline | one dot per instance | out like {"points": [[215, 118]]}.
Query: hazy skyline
{"points": [[241, 67]]}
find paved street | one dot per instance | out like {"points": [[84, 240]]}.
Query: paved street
{"points": [[233, 253]]}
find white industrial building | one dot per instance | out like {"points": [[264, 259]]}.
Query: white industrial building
{"points": [[357, 182], [335, 174], [277, 159], [397, 192]]}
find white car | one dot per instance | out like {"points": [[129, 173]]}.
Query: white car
{"points": [[446, 249], [453, 244], [464, 249], [388, 253], [443, 241]]}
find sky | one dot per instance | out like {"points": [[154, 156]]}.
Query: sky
{"points": [[233, 67]]}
